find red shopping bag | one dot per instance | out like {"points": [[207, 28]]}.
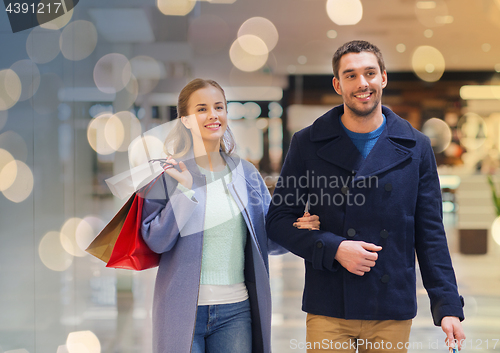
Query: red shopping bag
{"points": [[131, 251]]}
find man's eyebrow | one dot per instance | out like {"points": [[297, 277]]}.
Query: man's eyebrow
{"points": [[347, 71]]}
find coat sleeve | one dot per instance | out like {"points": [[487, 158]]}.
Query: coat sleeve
{"points": [[164, 214], [318, 247], [431, 245]]}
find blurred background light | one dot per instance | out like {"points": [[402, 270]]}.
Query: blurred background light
{"points": [[127, 97], [245, 61], [275, 110], [148, 72], [87, 230], [83, 342], [58, 22], [428, 33], [479, 92], [400, 48], [432, 13], [331, 34], [145, 148], [175, 7], [252, 110], [472, 131], [112, 73], [125, 123], [29, 75], [253, 45], [439, 133], [46, 99], [7, 175], [262, 28], [14, 144], [97, 138], [235, 110], [10, 89], [344, 12], [52, 253], [22, 186], [495, 230], [302, 59], [42, 45], [78, 40], [208, 34], [428, 63], [68, 236]]}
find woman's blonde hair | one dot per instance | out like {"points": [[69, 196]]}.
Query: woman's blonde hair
{"points": [[179, 141]]}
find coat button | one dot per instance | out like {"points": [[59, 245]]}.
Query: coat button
{"points": [[384, 234], [345, 190], [388, 187], [351, 232], [385, 278], [319, 245]]}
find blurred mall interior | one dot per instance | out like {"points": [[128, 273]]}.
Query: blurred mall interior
{"points": [[79, 93]]}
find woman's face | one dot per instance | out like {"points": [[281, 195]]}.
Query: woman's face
{"points": [[207, 114]]}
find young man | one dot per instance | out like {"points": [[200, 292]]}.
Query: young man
{"points": [[372, 180]]}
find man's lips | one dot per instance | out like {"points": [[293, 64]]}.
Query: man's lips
{"points": [[363, 96]]}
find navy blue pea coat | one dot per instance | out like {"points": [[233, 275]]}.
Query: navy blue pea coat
{"points": [[392, 199]]}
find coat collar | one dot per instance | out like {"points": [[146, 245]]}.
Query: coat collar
{"points": [[393, 147]]}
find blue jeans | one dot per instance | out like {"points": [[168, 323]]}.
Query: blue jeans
{"points": [[223, 328]]}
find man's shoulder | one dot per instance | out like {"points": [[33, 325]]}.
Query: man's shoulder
{"points": [[324, 127]]}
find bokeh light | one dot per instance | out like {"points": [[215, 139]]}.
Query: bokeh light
{"points": [[78, 40], [145, 148], [148, 72], [83, 342], [10, 89], [235, 110], [428, 63], [428, 33], [87, 230], [58, 22], [245, 61], [29, 75], [4, 116], [253, 45], [472, 131], [46, 99], [68, 237], [112, 73], [432, 13], [175, 7], [260, 27], [331, 34], [344, 12], [22, 186], [8, 170], [14, 143], [97, 138], [400, 48], [275, 110], [208, 34], [42, 45], [252, 110], [125, 123], [7, 175], [439, 133], [495, 230], [486, 47], [52, 253]]}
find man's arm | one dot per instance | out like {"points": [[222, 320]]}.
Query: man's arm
{"points": [[432, 250], [318, 247]]}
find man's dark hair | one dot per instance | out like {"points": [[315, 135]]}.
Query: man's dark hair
{"points": [[356, 46]]}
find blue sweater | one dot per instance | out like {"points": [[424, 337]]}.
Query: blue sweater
{"points": [[364, 142]]}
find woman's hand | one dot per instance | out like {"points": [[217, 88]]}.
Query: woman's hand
{"points": [[307, 222], [184, 177]]}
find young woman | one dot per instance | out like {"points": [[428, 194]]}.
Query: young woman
{"points": [[206, 218]]}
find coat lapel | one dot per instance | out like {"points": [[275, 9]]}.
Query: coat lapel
{"points": [[392, 148]]}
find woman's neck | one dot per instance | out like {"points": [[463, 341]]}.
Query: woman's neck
{"points": [[208, 157]]}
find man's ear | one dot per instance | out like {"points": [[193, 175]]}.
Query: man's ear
{"points": [[336, 86], [185, 121], [384, 79]]}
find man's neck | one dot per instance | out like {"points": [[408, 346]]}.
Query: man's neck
{"points": [[362, 124]]}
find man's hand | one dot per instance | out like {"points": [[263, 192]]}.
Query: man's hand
{"points": [[454, 333], [357, 257]]}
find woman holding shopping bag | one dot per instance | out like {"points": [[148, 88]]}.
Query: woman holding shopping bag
{"points": [[205, 217]]}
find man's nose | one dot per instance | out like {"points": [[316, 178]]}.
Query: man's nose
{"points": [[362, 81]]}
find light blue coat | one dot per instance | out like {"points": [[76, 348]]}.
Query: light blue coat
{"points": [[173, 227]]}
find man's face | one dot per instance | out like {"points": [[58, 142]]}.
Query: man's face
{"points": [[360, 83]]}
